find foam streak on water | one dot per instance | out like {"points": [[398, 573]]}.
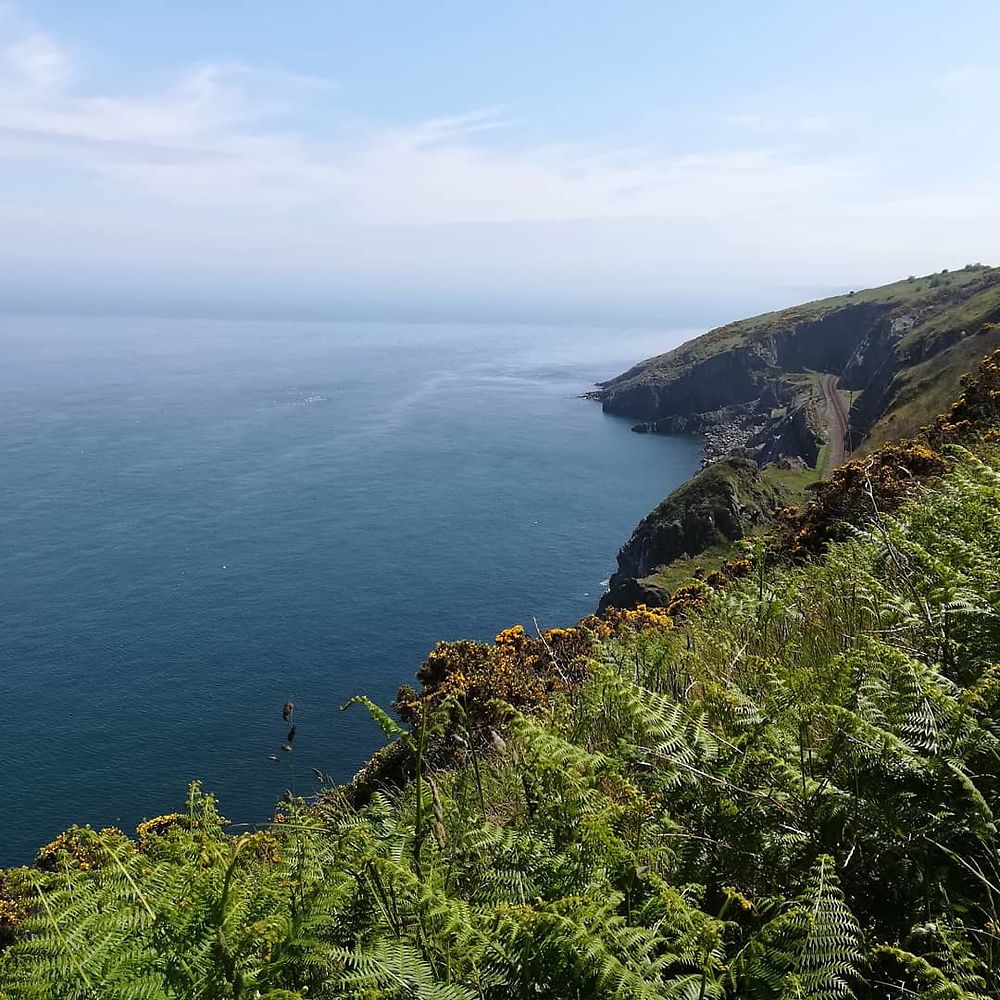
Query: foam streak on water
{"points": [[201, 519]]}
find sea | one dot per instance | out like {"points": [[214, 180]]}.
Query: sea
{"points": [[202, 519]]}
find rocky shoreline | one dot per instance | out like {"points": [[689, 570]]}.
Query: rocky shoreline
{"points": [[763, 430], [720, 438], [726, 431]]}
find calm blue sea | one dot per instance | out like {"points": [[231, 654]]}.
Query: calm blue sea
{"points": [[201, 519]]}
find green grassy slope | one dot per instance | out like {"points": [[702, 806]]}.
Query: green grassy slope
{"points": [[957, 299], [924, 389], [717, 506]]}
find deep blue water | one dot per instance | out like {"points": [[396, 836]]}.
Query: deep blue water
{"points": [[201, 519]]}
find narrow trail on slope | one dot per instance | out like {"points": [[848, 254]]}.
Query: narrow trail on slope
{"points": [[836, 424]]}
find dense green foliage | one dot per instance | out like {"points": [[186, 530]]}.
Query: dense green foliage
{"points": [[789, 795]]}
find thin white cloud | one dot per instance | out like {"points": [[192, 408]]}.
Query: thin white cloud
{"points": [[221, 136], [208, 105], [775, 123], [37, 61], [451, 127], [964, 78], [745, 119], [234, 166], [217, 138], [815, 124]]}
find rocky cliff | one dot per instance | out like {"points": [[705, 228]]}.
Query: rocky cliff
{"points": [[749, 382], [722, 503], [753, 390]]}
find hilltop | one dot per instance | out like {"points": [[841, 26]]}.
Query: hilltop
{"points": [[891, 348], [795, 392]]}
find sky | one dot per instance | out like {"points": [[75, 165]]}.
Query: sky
{"points": [[641, 159]]}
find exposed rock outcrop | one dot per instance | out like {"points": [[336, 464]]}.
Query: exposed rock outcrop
{"points": [[796, 435], [690, 381], [720, 504], [746, 385], [754, 391]]}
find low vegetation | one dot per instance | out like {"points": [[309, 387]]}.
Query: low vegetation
{"points": [[717, 507]]}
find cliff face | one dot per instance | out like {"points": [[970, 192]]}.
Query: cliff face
{"points": [[799, 434], [717, 382], [684, 382], [720, 504], [753, 388], [760, 366], [870, 372], [737, 392]]}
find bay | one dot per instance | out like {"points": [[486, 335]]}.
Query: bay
{"points": [[200, 519]]}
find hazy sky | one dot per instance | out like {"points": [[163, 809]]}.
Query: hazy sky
{"points": [[456, 158]]}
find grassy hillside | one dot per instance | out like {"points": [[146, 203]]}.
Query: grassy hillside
{"points": [[719, 505], [791, 793], [925, 389], [952, 300], [898, 350], [757, 387]]}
